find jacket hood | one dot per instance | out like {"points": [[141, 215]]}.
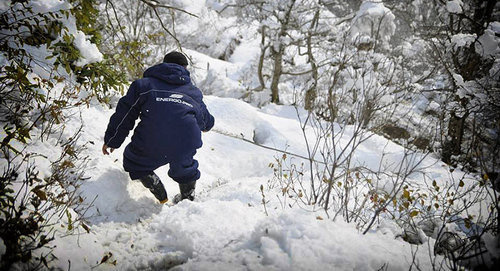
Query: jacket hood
{"points": [[169, 72]]}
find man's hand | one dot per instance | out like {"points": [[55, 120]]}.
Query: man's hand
{"points": [[105, 149]]}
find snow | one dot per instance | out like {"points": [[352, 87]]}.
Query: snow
{"points": [[89, 53], [462, 40], [495, 26], [454, 6], [488, 44], [372, 14], [226, 227], [247, 51], [294, 240], [218, 77], [43, 6]]}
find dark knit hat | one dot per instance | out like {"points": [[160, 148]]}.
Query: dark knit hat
{"points": [[176, 57]]}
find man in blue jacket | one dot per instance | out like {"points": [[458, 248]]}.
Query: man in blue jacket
{"points": [[172, 115]]}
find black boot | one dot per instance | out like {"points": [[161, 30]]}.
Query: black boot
{"points": [[153, 182], [187, 192]]}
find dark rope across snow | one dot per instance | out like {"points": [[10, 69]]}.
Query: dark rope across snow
{"points": [[242, 137]]}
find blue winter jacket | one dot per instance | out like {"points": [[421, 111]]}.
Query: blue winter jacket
{"points": [[172, 116]]}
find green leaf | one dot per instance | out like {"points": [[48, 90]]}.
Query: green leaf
{"points": [[70, 222]]}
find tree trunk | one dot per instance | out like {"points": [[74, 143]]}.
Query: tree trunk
{"points": [[311, 93], [263, 48], [278, 53], [453, 146], [278, 58]]}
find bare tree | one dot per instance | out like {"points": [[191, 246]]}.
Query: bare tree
{"points": [[131, 35]]}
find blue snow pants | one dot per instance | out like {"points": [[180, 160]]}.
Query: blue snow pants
{"points": [[184, 170]]}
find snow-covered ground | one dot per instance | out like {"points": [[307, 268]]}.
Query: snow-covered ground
{"points": [[226, 227]]}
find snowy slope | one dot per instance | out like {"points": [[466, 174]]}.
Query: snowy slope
{"points": [[226, 228]]}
